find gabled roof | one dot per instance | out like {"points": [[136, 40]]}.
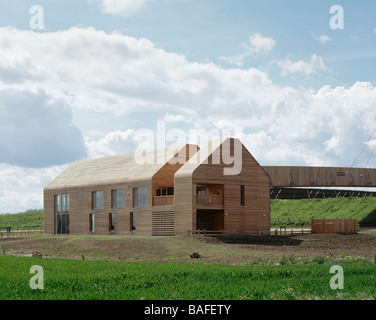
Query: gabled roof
{"points": [[200, 157], [123, 168]]}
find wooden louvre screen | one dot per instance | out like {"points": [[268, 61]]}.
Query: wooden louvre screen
{"points": [[163, 223]]}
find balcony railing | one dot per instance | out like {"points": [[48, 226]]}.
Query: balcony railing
{"points": [[164, 201], [204, 199]]}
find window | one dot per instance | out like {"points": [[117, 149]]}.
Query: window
{"points": [[132, 221], [91, 222], [118, 199], [62, 213], [58, 203], [63, 203], [111, 222], [139, 197], [165, 191], [98, 200], [201, 190], [242, 196]]}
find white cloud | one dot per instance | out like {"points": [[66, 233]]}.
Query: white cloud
{"points": [[257, 43], [260, 43], [116, 142], [307, 67], [125, 8], [116, 77], [175, 118], [37, 130], [22, 188], [323, 39]]}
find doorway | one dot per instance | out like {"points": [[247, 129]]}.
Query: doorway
{"points": [[210, 219], [62, 224]]}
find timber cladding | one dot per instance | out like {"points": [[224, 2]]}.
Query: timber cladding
{"points": [[348, 226], [200, 194], [320, 176]]}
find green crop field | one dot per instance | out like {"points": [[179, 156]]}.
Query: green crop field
{"points": [[290, 279]]}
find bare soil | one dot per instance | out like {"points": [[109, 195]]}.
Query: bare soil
{"points": [[212, 249]]}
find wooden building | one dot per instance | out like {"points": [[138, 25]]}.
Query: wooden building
{"points": [[162, 192]]}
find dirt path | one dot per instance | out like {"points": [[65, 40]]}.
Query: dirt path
{"points": [[213, 249]]}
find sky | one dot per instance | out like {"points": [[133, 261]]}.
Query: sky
{"points": [[295, 80]]}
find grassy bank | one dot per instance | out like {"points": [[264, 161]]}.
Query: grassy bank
{"points": [[300, 212], [30, 219]]}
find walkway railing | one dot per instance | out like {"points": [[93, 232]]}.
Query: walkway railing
{"points": [[164, 201], [209, 199]]}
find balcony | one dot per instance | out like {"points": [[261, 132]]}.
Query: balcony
{"points": [[164, 201], [209, 201]]}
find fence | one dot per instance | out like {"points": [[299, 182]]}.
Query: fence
{"points": [[334, 226], [277, 231], [18, 233], [283, 231]]}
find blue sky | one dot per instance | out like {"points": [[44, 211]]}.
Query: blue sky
{"points": [[101, 71], [205, 30]]}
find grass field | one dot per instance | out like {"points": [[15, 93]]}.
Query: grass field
{"points": [[159, 268], [230, 267], [89, 280]]}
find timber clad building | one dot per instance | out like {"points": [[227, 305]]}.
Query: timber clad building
{"points": [[189, 190]]}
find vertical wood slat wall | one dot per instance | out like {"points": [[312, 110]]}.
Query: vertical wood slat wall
{"points": [[254, 216]]}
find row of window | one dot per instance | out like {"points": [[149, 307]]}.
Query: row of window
{"points": [[111, 222], [118, 199]]}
